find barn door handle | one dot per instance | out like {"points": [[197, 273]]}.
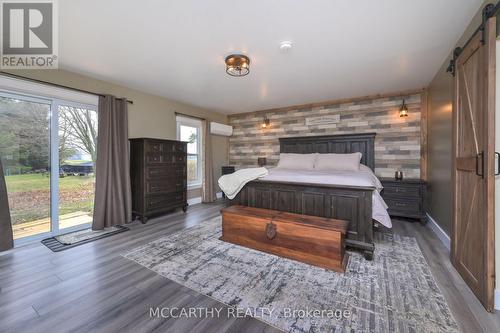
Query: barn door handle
{"points": [[497, 155], [482, 164]]}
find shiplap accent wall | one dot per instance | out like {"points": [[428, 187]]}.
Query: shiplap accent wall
{"points": [[397, 144]]}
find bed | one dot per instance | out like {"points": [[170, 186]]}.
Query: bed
{"points": [[314, 194]]}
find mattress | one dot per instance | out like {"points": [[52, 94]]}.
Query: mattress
{"points": [[363, 177]]}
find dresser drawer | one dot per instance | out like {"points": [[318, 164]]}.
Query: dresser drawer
{"points": [[180, 147], [154, 157], [404, 207], [402, 191], [156, 172], [174, 158], [165, 171], [180, 158], [166, 158], [152, 146], [166, 185], [158, 202]]}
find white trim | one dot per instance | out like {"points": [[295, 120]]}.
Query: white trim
{"points": [[443, 237], [188, 121], [54, 168], [38, 237], [32, 239], [197, 200], [194, 186], [198, 124], [497, 299], [25, 87], [23, 97], [194, 201], [54, 97]]}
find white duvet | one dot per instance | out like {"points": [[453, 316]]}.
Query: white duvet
{"points": [[232, 184], [364, 177]]}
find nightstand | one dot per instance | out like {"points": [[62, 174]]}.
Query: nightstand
{"points": [[405, 198]]}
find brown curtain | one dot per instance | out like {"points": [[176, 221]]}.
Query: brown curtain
{"points": [[208, 188], [6, 241], [113, 198]]}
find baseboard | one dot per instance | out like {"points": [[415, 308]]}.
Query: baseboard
{"points": [[197, 200], [443, 237], [194, 201]]}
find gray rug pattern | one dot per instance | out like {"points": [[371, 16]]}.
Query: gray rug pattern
{"points": [[393, 293]]}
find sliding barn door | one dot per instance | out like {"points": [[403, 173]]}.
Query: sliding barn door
{"points": [[472, 231]]}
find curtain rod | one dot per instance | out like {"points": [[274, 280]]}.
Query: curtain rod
{"points": [[188, 115], [57, 85]]}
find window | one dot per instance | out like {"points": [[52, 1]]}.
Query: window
{"points": [[47, 148], [189, 130]]}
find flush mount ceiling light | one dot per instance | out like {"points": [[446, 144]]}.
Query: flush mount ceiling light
{"points": [[237, 65]]}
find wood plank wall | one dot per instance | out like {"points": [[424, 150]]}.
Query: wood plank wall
{"points": [[401, 143]]}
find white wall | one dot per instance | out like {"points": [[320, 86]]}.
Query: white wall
{"points": [[150, 116]]}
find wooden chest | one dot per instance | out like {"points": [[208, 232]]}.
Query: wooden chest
{"points": [[158, 171], [313, 240]]}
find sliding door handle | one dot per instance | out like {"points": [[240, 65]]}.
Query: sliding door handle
{"points": [[497, 156], [480, 174]]}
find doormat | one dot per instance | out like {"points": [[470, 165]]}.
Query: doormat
{"points": [[76, 238]]}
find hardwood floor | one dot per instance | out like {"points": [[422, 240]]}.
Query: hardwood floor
{"points": [[93, 288], [467, 310]]}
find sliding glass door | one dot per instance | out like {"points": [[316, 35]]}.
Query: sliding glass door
{"points": [[48, 151], [77, 156], [25, 130]]}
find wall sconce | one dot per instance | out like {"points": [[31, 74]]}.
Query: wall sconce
{"points": [[403, 111], [266, 122]]}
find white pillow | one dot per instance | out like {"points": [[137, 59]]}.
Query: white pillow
{"points": [[338, 162], [297, 161]]}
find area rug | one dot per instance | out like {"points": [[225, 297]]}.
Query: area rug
{"points": [[72, 239], [393, 293]]}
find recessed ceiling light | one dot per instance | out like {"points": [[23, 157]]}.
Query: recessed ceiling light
{"points": [[285, 46]]}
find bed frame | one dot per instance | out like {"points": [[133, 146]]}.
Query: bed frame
{"points": [[351, 203]]}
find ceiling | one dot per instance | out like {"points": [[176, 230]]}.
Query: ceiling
{"points": [[176, 49]]}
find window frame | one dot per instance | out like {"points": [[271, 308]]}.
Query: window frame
{"points": [[54, 97], [196, 123]]}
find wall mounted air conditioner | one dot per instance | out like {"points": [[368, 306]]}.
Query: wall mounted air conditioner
{"points": [[221, 129]]}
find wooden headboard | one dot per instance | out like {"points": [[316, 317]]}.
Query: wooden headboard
{"points": [[338, 144]]}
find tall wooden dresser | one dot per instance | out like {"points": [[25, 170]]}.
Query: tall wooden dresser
{"points": [[158, 170]]}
